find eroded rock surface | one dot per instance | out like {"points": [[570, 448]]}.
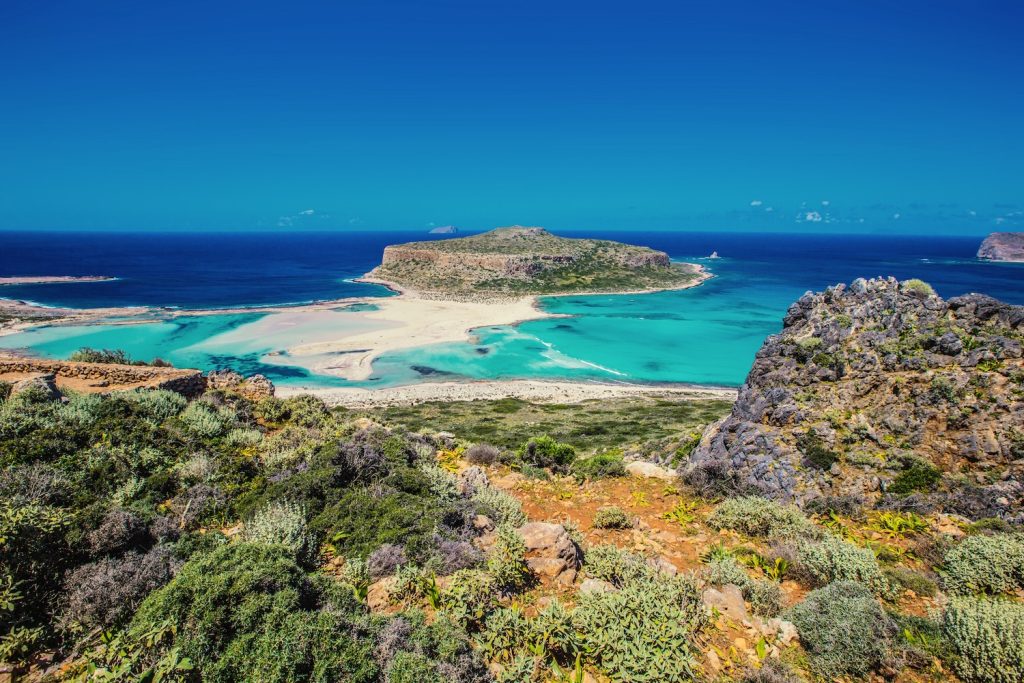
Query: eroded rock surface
{"points": [[876, 380]]}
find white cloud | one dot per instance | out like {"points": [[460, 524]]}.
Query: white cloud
{"points": [[825, 202], [769, 209], [307, 212], [756, 202], [895, 216], [973, 213], [812, 217], [284, 222]]}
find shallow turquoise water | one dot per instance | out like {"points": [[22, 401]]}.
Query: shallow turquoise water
{"points": [[706, 335]]}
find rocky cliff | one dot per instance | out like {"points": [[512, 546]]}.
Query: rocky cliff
{"points": [[1003, 246], [881, 390], [518, 260]]}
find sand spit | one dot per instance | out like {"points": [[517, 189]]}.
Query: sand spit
{"points": [[52, 279], [536, 391]]}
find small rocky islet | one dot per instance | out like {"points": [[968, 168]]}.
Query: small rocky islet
{"points": [[1003, 246]]}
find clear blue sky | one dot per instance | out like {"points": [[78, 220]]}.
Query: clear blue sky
{"points": [[828, 115]]}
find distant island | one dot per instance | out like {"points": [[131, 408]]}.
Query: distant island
{"points": [[52, 279], [445, 230], [525, 261], [1003, 246]]}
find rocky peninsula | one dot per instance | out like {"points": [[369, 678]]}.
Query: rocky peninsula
{"points": [[1003, 246], [521, 261], [881, 390]]}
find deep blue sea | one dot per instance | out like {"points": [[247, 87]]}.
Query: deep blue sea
{"points": [[705, 335]]}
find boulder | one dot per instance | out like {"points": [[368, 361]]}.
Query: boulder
{"points": [[378, 595], [728, 600], [596, 586], [649, 470], [550, 553], [45, 385], [256, 388]]}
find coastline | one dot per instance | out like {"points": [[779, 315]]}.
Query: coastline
{"points": [[536, 391], [333, 342]]}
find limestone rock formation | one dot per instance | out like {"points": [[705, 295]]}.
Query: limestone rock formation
{"points": [[253, 388], [550, 553], [881, 390], [1003, 246]]}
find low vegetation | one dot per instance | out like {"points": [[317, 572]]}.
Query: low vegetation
{"points": [[147, 537]]}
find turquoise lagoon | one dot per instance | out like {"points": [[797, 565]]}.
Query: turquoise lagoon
{"points": [[705, 335]]}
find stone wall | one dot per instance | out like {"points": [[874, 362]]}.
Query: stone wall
{"points": [[187, 382]]}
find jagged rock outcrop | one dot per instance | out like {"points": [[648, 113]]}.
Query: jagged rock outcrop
{"points": [[550, 552], [253, 388], [519, 260], [877, 388], [1003, 246]]}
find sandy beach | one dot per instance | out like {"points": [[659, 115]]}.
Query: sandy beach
{"points": [[537, 391], [405, 322]]}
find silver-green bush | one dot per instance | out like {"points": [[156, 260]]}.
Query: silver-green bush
{"points": [[611, 517], [755, 516], [643, 632], [502, 507], [844, 629], [282, 523], [987, 637], [832, 559], [985, 564]]}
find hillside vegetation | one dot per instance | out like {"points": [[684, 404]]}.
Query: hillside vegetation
{"points": [[522, 261]]}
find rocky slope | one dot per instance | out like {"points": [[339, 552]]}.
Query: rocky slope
{"points": [[1003, 246], [522, 261], [881, 390]]}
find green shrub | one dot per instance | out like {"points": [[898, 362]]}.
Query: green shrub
{"points": [[156, 404], [844, 630], [470, 596], [817, 454], [502, 507], [755, 516], [616, 566], [505, 561], [599, 466], [642, 632], [410, 667], [200, 419], [543, 451], [5, 390], [908, 579], [611, 517], [833, 559], [244, 438], [283, 523], [248, 612], [88, 355], [985, 564], [987, 637], [915, 286], [919, 476]]}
